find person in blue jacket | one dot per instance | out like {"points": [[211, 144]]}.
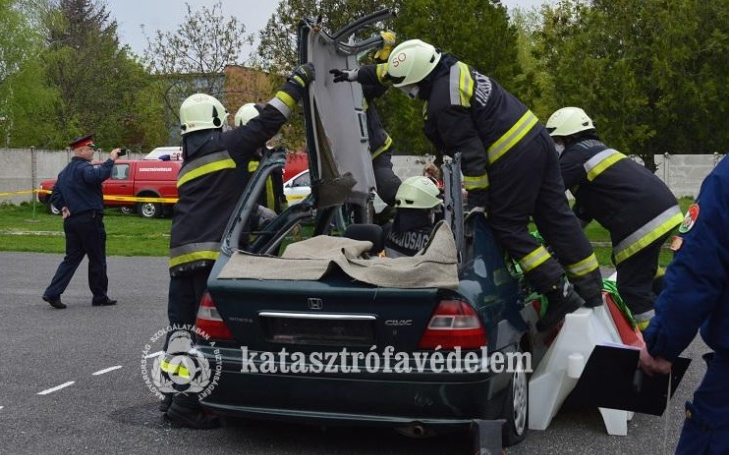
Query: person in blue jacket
{"points": [[696, 296], [77, 194]]}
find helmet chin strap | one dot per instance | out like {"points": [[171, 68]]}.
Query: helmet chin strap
{"points": [[411, 90]]}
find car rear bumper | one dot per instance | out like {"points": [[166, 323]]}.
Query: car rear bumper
{"points": [[435, 400]]}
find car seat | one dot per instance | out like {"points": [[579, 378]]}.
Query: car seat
{"points": [[367, 232]]}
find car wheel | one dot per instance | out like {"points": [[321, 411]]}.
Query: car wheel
{"points": [[516, 409], [127, 209], [53, 210], [150, 210]]}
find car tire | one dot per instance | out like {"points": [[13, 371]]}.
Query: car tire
{"points": [[516, 409], [127, 209], [149, 210], [52, 209]]}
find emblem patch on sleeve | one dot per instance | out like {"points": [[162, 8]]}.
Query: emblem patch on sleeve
{"points": [[691, 216]]}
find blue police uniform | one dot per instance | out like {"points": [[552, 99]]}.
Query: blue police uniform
{"points": [[79, 188], [696, 296]]}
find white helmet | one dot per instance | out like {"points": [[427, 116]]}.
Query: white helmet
{"points": [[568, 121], [418, 193], [411, 62], [202, 112], [246, 112]]}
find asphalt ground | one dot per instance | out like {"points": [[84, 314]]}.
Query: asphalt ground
{"points": [[71, 383]]}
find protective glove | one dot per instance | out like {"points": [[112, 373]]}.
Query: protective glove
{"points": [[344, 75], [303, 75], [388, 42], [264, 215]]}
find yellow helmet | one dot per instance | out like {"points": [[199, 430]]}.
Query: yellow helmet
{"points": [[202, 112], [568, 121], [246, 112], [418, 192], [411, 62]]}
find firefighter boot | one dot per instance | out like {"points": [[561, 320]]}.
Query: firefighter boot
{"points": [[589, 287], [187, 412], [562, 300]]}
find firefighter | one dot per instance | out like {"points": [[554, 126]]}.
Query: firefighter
{"points": [[509, 166], [696, 295], [417, 200], [628, 200], [386, 180], [209, 187], [273, 197]]}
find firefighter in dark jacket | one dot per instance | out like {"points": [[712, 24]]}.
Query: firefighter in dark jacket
{"points": [[273, 197], [510, 167], [416, 200], [628, 200], [696, 296], [209, 186]]}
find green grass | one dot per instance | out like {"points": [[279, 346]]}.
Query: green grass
{"points": [[33, 229], [30, 228]]}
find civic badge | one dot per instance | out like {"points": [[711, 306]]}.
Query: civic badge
{"points": [[691, 216], [314, 303]]}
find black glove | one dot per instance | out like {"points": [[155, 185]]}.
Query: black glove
{"points": [[303, 75], [344, 75]]}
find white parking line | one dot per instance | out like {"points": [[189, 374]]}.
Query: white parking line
{"points": [[56, 388], [106, 370], [154, 354]]}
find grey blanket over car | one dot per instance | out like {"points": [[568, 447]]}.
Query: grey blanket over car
{"points": [[434, 266]]}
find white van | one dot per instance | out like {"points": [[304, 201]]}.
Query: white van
{"points": [[174, 153]]}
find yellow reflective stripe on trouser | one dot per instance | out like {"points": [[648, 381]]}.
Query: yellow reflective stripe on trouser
{"points": [[512, 137], [202, 166], [600, 162], [178, 370], [383, 148], [648, 233], [582, 268], [461, 85], [534, 259], [476, 182]]}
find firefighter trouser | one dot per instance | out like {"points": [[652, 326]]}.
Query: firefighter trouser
{"points": [[636, 277], [706, 428], [185, 293], [526, 182], [385, 179]]}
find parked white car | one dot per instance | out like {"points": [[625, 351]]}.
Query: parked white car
{"points": [[299, 186]]}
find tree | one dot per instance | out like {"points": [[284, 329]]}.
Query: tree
{"points": [[100, 84], [194, 57], [491, 49]]}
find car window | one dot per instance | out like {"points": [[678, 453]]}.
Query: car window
{"points": [[120, 172], [302, 180]]}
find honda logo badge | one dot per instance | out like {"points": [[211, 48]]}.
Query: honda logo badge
{"points": [[315, 304]]}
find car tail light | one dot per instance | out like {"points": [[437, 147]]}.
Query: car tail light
{"points": [[209, 321], [453, 324]]}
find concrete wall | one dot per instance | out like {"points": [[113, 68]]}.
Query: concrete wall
{"points": [[22, 170]]}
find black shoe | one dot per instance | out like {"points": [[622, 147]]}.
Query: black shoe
{"points": [[560, 304], [55, 303], [107, 302], [164, 405], [191, 417]]}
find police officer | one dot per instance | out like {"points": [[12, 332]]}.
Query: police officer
{"points": [[77, 194], [696, 295], [628, 200], [471, 113], [209, 187], [273, 197], [386, 180], [416, 202]]}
